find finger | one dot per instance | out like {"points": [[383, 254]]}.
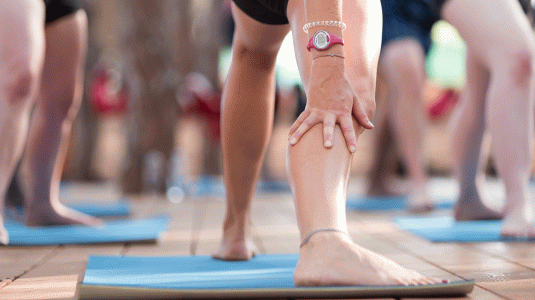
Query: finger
{"points": [[329, 121], [310, 121], [346, 124], [298, 122], [361, 115]]}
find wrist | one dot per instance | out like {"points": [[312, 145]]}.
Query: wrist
{"points": [[323, 40]]}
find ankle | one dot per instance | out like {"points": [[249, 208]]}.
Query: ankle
{"points": [[325, 236]]}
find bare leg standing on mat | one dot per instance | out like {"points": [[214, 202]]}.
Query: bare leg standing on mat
{"points": [[319, 156], [499, 38], [58, 101], [403, 63], [21, 61]]}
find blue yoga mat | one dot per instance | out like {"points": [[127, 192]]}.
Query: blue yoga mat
{"points": [[203, 277], [214, 186], [110, 232], [446, 229], [389, 203], [121, 208]]}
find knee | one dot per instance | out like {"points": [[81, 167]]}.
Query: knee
{"points": [[259, 59], [22, 85], [404, 70], [523, 66]]}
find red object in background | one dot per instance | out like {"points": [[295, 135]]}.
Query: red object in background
{"points": [[200, 98], [209, 107], [442, 104], [107, 93]]}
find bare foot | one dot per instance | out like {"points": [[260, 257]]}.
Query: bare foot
{"points": [[420, 202], [235, 250], [473, 209], [332, 259], [235, 244], [380, 189], [519, 223], [4, 237], [59, 214]]}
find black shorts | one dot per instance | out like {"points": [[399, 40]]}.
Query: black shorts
{"points": [[57, 9], [271, 12]]}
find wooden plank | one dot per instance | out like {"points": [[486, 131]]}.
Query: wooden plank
{"points": [[464, 260], [174, 241], [521, 253], [523, 289], [208, 230], [71, 260], [14, 261], [47, 287]]}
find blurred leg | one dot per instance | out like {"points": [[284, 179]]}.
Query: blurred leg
{"points": [[403, 62], [499, 35], [247, 119], [467, 139], [21, 59], [382, 165], [57, 104], [319, 176]]}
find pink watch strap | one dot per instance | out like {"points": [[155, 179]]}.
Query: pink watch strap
{"points": [[333, 40]]}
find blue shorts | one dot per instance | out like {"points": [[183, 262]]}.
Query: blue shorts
{"points": [[404, 19]]}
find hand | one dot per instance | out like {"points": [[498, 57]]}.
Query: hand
{"points": [[330, 100]]}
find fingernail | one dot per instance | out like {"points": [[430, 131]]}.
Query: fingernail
{"points": [[370, 124], [352, 149], [293, 141], [328, 143]]}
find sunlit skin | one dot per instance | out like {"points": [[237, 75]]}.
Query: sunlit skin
{"points": [[499, 95], [340, 95]]}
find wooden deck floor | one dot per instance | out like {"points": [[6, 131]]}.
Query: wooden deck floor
{"points": [[502, 270]]}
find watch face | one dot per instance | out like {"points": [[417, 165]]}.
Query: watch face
{"points": [[321, 39]]}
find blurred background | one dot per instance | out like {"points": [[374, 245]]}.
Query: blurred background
{"points": [[150, 114]]}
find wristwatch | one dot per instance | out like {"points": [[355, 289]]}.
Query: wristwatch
{"points": [[322, 40]]}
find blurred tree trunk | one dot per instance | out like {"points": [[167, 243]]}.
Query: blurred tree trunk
{"points": [[209, 40], [153, 113]]}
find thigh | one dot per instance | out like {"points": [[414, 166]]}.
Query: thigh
{"points": [[66, 41], [255, 35], [489, 28], [21, 37]]}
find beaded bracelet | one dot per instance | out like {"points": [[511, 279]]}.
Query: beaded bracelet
{"points": [[324, 23]]}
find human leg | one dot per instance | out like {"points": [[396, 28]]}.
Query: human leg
{"points": [[500, 37], [319, 175], [382, 164], [57, 104], [247, 117], [21, 59], [403, 61], [467, 137]]}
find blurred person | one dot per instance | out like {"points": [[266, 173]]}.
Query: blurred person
{"points": [[339, 82], [499, 95], [42, 50], [406, 39]]}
